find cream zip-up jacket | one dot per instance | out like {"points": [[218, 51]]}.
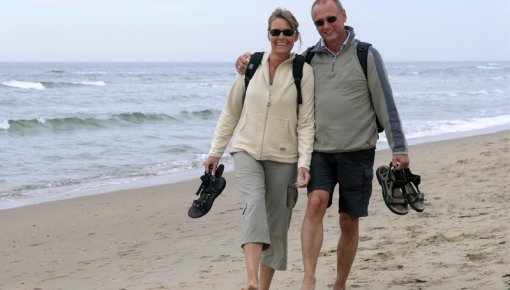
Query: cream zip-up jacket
{"points": [[269, 125]]}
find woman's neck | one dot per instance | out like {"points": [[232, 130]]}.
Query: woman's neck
{"points": [[274, 61]]}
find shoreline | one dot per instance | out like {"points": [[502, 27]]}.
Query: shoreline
{"points": [[142, 238], [89, 189]]}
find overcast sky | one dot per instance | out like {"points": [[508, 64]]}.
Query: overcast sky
{"points": [[220, 30]]}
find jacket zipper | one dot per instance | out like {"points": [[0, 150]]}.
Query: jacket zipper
{"points": [[265, 123], [333, 64]]}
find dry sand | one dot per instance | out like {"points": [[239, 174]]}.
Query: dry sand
{"points": [[143, 238]]}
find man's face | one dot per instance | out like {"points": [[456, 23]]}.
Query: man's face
{"points": [[323, 16]]}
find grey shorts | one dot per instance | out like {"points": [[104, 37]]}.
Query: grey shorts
{"points": [[268, 195], [352, 171]]}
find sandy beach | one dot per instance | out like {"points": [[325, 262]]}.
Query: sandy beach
{"points": [[143, 238]]}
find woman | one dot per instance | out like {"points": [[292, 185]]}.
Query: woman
{"points": [[274, 137]]}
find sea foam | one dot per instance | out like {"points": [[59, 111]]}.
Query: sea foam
{"points": [[24, 85]]}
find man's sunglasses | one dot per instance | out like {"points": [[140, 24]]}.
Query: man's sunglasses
{"points": [[330, 19], [277, 32]]}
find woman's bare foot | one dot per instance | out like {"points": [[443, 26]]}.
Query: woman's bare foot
{"points": [[251, 287]]}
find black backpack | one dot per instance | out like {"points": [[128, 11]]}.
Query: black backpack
{"points": [[362, 52], [297, 72]]}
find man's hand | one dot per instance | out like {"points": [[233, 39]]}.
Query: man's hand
{"points": [[400, 161], [242, 63]]}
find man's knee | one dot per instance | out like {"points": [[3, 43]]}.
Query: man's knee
{"points": [[348, 224], [318, 202]]}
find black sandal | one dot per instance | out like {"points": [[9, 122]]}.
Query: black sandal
{"points": [[412, 194], [210, 188], [392, 182]]}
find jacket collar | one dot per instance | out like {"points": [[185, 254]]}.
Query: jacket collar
{"points": [[321, 45]]}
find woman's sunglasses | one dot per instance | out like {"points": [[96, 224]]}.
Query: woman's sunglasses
{"points": [[330, 19], [277, 32]]}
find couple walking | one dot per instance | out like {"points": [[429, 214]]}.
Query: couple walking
{"points": [[328, 138]]}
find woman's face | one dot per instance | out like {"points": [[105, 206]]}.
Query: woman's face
{"points": [[280, 43]]}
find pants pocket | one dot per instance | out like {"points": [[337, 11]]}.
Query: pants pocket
{"points": [[292, 195]]}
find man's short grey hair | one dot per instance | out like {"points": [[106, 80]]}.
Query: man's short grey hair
{"points": [[340, 7]]}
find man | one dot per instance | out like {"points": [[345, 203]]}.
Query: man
{"points": [[347, 105]]}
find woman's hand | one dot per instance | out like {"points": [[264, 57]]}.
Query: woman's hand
{"points": [[303, 177], [214, 161]]}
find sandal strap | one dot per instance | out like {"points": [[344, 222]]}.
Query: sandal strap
{"points": [[219, 170], [396, 181], [206, 179], [398, 177], [402, 177], [417, 195], [395, 200], [416, 179], [201, 201]]}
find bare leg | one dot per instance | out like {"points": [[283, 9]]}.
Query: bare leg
{"points": [[347, 248], [252, 253], [266, 276], [312, 235]]}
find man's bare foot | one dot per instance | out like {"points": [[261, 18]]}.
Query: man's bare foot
{"points": [[251, 287], [308, 287]]}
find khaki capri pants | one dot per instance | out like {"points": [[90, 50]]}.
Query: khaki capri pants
{"points": [[268, 195]]}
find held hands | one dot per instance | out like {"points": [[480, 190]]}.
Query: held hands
{"points": [[400, 161], [303, 177], [242, 63], [214, 161]]}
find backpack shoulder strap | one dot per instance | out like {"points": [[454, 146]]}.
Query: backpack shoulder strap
{"points": [[255, 60], [309, 54], [297, 72], [362, 52]]}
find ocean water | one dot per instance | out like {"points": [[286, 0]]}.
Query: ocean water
{"points": [[71, 129]]}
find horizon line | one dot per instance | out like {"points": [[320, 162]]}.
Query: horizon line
{"points": [[206, 61]]}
